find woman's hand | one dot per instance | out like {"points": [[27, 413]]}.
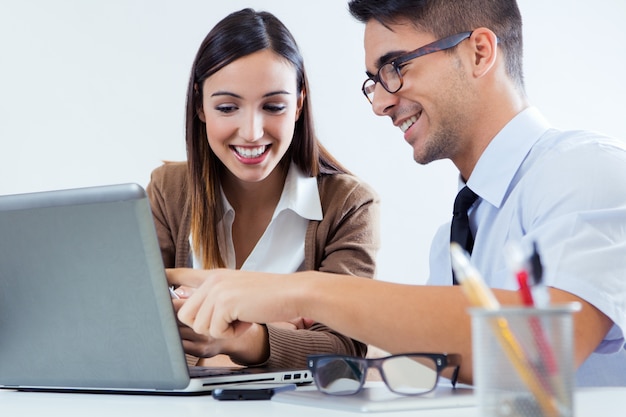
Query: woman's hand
{"points": [[250, 346], [185, 280], [224, 303], [196, 344]]}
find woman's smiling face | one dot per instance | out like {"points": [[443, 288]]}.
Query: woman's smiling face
{"points": [[250, 108]]}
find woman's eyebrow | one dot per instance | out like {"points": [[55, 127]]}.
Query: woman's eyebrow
{"points": [[231, 94], [276, 93], [225, 93]]}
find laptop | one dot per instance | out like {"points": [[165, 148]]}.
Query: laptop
{"points": [[84, 301], [375, 397]]}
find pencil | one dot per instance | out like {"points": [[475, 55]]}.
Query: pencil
{"points": [[480, 295]]}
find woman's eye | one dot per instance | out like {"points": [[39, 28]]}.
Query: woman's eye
{"points": [[226, 108], [275, 108]]}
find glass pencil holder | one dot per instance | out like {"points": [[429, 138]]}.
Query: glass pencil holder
{"points": [[523, 360]]}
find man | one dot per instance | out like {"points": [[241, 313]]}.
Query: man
{"points": [[463, 98]]}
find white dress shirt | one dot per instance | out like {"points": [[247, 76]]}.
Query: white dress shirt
{"points": [[281, 247], [566, 191]]}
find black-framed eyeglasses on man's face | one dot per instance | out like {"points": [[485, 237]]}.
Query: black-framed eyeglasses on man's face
{"points": [[389, 75], [405, 374]]}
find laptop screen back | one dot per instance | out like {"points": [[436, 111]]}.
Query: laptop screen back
{"points": [[76, 307]]}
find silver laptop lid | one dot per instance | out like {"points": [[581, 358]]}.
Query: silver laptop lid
{"points": [[83, 295]]}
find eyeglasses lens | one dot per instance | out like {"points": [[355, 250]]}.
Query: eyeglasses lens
{"points": [[389, 79], [368, 89], [339, 376], [410, 375]]}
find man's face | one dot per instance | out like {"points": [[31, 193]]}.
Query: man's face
{"points": [[431, 108]]}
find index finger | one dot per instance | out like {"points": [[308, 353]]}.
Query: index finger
{"points": [[188, 277], [196, 313]]}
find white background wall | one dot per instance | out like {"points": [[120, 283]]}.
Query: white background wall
{"points": [[92, 92]]}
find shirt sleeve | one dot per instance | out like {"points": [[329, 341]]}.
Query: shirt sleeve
{"points": [[579, 222]]}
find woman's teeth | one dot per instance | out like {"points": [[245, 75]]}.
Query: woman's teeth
{"points": [[250, 152], [408, 123]]}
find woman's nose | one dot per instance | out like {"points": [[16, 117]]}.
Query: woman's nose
{"points": [[252, 127]]}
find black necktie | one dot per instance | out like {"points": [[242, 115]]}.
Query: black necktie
{"points": [[460, 230]]}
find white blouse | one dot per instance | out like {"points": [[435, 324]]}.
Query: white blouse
{"points": [[281, 247]]}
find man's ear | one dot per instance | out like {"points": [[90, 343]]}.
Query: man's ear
{"points": [[485, 49]]}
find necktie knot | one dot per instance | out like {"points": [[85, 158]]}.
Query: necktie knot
{"points": [[464, 200]]}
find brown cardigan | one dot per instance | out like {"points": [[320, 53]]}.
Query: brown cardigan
{"points": [[345, 241]]}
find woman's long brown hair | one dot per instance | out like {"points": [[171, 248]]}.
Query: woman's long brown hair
{"points": [[237, 35]]}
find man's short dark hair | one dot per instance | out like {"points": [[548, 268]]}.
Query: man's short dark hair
{"points": [[447, 17]]}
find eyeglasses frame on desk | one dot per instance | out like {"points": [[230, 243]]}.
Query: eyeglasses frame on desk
{"points": [[359, 367]]}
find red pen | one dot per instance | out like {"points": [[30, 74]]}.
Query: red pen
{"points": [[546, 364], [524, 288], [517, 264], [515, 261]]}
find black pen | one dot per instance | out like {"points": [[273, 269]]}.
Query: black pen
{"points": [[539, 289]]}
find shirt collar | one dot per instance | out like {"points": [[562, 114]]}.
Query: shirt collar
{"points": [[504, 155], [300, 194]]}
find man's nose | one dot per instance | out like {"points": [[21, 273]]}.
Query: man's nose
{"points": [[383, 101]]}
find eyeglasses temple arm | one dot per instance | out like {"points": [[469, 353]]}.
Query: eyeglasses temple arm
{"points": [[454, 360]]}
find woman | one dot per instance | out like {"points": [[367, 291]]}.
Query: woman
{"points": [[258, 191]]}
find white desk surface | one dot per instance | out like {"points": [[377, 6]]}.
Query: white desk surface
{"points": [[592, 402]]}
